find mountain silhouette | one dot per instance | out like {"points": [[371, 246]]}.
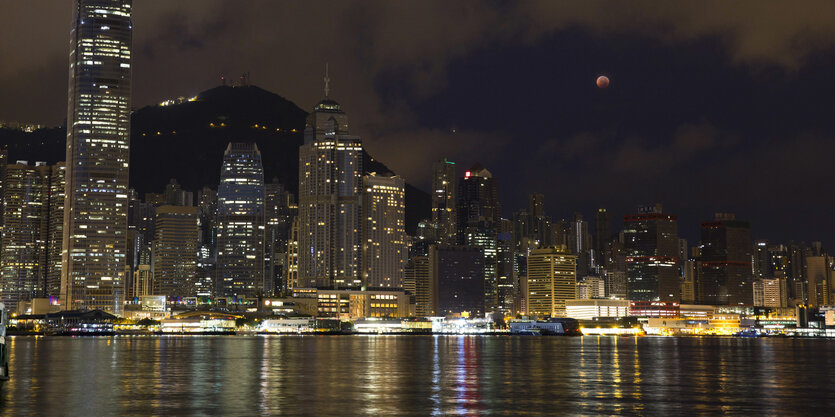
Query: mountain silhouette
{"points": [[185, 140]]}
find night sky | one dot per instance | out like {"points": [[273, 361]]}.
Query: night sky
{"points": [[713, 105]]}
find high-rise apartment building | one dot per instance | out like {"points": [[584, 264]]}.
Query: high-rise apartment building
{"points": [[769, 292], [651, 255], [98, 143], [240, 223], [551, 280], [330, 185], [24, 243], [175, 251], [384, 245], [444, 215]]}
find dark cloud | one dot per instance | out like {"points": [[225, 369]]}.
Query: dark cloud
{"points": [[712, 103]]}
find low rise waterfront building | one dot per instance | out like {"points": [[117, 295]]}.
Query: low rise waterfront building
{"points": [[594, 309]]}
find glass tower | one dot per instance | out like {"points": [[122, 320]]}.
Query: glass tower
{"points": [[240, 223], [98, 140]]}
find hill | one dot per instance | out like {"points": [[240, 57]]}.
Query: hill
{"points": [[185, 140]]}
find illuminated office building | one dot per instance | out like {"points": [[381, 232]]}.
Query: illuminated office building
{"points": [[330, 185], [551, 280], [652, 256], [384, 245], [240, 223], [444, 215], [175, 251], [98, 142]]}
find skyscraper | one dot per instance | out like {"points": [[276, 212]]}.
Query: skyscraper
{"points": [[580, 244], [279, 214], [651, 249], [55, 236], [725, 275], [444, 215], [479, 212], [330, 182], [175, 251], [551, 280], [384, 245], [98, 143], [240, 218], [602, 234]]}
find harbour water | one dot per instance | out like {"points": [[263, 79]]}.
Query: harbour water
{"points": [[418, 375]]}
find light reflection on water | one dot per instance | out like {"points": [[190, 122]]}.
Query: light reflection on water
{"points": [[418, 375]]}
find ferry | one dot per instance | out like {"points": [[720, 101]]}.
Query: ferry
{"points": [[4, 348]]}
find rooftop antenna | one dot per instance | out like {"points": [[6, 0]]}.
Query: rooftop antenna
{"points": [[327, 81]]}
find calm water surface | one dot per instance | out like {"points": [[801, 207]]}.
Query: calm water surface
{"points": [[418, 375]]}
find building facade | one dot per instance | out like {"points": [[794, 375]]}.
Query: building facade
{"points": [[175, 251], [457, 274]]}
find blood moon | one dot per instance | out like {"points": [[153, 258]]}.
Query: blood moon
{"points": [[602, 81]]}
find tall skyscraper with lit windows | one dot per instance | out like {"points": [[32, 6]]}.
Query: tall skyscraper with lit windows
{"points": [[240, 223], [444, 215], [98, 143], [330, 198]]}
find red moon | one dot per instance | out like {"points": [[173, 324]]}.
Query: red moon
{"points": [[602, 81]]}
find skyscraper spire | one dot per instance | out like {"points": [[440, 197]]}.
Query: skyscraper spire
{"points": [[327, 81]]}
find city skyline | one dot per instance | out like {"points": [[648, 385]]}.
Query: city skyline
{"points": [[241, 240], [596, 137], [478, 207]]}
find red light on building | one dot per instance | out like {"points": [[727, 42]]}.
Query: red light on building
{"points": [[467, 174]]}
